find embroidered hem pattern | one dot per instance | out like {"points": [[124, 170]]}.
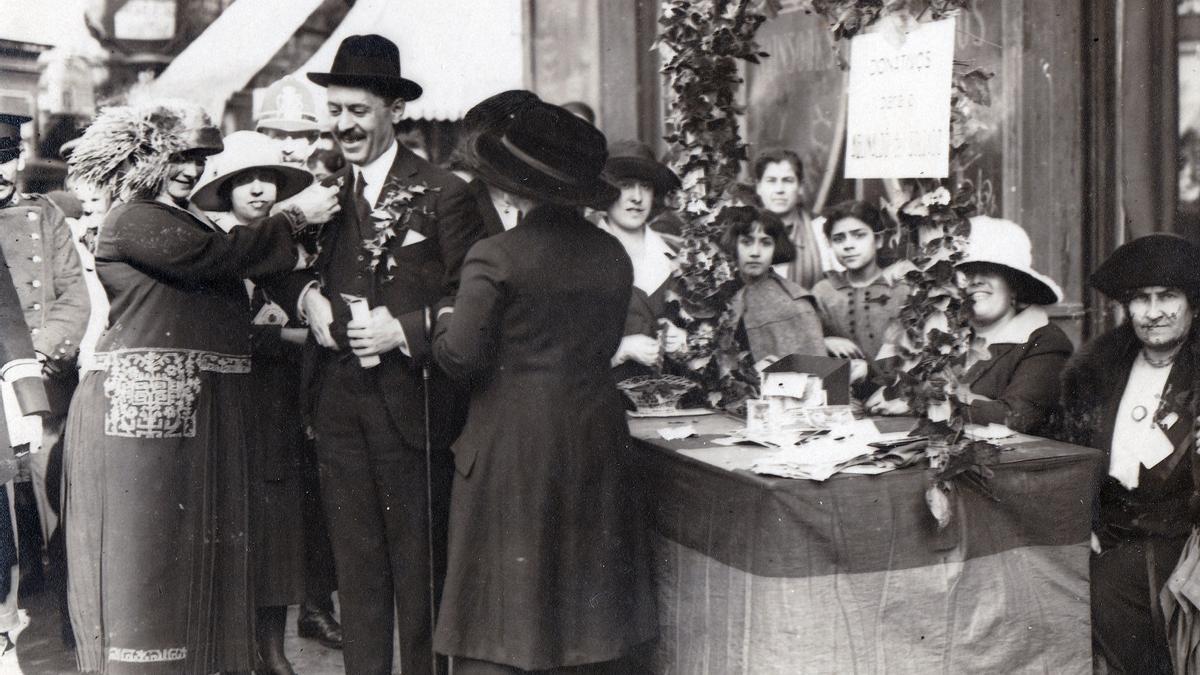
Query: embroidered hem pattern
{"points": [[152, 393], [147, 655]]}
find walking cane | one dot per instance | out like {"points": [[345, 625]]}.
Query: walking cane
{"points": [[429, 496]]}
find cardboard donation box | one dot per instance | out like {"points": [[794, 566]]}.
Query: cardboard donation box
{"points": [[815, 380]]}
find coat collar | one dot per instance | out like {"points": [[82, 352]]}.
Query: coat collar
{"points": [[1018, 329], [657, 263]]}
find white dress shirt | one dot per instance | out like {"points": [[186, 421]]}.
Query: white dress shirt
{"points": [[1137, 439], [375, 173]]}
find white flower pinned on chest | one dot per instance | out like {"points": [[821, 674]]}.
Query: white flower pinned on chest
{"points": [[392, 218]]}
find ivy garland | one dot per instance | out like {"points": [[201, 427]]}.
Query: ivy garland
{"points": [[937, 339], [701, 43]]}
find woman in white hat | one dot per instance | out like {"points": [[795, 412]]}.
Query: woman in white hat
{"points": [[1019, 384], [246, 180]]}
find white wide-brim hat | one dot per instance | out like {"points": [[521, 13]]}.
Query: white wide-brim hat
{"points": [[996, 241], [246, 151]]}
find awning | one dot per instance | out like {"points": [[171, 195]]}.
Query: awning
{"points": [[231, 51], [459, 51]]}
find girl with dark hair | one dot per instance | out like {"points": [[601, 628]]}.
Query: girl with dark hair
{"points": [[778, 176], [859, 304], [778, 315]]}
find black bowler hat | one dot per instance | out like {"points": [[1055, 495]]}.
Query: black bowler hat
{"points": [[546, 153], [10, 136], [1153, 260], [635, 159], [370, 62]]}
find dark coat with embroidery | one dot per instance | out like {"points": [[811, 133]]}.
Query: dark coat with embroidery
{"points": [[155, 461], [1092, 386]]}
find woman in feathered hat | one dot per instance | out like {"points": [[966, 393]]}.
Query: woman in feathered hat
{"points": [[155, 460]]}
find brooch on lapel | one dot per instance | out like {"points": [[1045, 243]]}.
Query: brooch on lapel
{"points": [[391, 219]]}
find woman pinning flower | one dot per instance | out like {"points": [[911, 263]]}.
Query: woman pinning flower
{"points": [[156, 437]]}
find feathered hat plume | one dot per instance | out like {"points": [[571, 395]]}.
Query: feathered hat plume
{"points": [[129, 147]]}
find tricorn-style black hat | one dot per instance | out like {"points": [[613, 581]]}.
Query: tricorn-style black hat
{"points": [[635, 159], [546, 153], [369, 61], [10, 135], [1152, 260]]}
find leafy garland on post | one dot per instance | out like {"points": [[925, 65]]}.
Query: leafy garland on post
{"points": [[937, 340], [701, 42]]}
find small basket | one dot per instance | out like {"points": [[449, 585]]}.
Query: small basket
{"points": [[656, 393]]}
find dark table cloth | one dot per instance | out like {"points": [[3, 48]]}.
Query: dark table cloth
{"points": [[759, 574]]}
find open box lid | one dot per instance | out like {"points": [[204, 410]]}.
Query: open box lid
{"points": [[833, 372]]}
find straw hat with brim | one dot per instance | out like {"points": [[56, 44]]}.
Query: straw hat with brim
{"points": [[371, 62], [246, 151], [1153, 260], [548, 154], [1005, 244], [635, 159]]}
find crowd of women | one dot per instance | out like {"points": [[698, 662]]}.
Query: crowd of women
{"points": [[182, 486]]}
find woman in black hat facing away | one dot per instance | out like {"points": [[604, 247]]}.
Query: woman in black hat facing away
{"points": [[155, 459], [640, 177], [1132, 393], [548, 565]]}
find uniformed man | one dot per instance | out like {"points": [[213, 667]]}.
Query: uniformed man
{"points": [[288, 115], [36, 243]]}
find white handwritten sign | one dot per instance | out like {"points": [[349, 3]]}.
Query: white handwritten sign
{"points": [[898, 117]]}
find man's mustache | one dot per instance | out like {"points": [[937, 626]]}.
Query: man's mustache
{"points": [[351, 135]]}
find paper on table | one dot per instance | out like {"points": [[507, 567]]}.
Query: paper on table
{"points": [[676, 433], [821, 457]]}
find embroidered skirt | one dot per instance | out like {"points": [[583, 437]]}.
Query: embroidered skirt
{"points": [[156, 529]]}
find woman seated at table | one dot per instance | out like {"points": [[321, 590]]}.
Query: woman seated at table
{"points": [[1019, 384], [779, 316], [632, 167]]}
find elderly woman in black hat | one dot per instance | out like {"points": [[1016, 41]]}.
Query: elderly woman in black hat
{"points": [[155, 457], [1018, 384], [548, 565], [1132, 393], [640, 178]]}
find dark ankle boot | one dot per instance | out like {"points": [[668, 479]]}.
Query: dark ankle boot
{"points": [[318, 624], [269, 631]]}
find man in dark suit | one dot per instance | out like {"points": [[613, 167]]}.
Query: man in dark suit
{"points": [[395, 250]]}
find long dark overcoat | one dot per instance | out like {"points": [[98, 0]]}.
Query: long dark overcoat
{"points": [[548, 563]]}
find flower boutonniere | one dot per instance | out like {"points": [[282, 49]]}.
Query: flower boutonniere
{"points": [[391, 218]]}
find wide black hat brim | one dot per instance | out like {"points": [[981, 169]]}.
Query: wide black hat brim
{"points": [[500, 168], [656, 174], [398, 86], [1153, 260]]}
